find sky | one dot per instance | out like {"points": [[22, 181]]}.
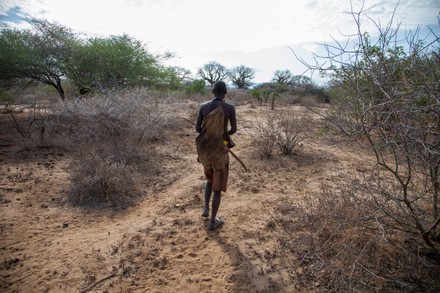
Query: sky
{"points": [[256, 33]]}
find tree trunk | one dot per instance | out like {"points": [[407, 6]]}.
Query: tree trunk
{"points": [[60, 90]]}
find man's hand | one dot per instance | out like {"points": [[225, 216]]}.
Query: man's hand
{"points": [[231, 143]]}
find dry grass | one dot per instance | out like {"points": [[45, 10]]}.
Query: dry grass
{"points": [[112, 136], [303, 239], [343, 245], [282, 129]]}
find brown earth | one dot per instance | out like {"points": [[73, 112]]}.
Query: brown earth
{"points": [[161, 244]]}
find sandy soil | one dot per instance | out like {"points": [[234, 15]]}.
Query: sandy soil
{"points": [[161, 244]]}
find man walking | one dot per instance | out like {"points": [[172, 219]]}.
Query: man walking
{"points": [[213, 143]]}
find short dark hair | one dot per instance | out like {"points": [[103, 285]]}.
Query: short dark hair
{"points": [[219, 88]]}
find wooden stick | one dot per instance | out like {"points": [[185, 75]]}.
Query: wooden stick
{"points": [[187, 120], [241, 163]]}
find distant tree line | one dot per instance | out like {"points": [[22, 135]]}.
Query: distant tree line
{"points": [[54, 55], [282, 81]]}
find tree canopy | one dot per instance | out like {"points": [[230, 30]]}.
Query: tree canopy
{"points": [[282, 76], [115, 61], [52, 54], [241, 76], [40, 53], [212, 72]]}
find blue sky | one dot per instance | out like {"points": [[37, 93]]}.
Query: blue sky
{"points": [[253, 33]]}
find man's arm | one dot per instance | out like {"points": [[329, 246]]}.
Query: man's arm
{"points": [[199, 120], [233, 122]]}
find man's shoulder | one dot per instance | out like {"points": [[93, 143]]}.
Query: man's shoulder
{"points": [[229, 105], [206, 104], [215, 102], [211, 101]]}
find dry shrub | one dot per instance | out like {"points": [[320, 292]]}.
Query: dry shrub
{"points": [[309, 101], [284, 129], [306, 100], [238, 96], [294, 100], [342, 245], [98, 182], [29, 112], [112, 135], [384, 95], [30, 122]]}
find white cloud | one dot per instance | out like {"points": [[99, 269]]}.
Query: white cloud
{"points": [[310, 47], [232, 32]]}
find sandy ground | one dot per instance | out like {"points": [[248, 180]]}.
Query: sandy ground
{"points": [[162, 244]]}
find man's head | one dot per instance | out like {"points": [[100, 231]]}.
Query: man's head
{"points": [[219, 89]]}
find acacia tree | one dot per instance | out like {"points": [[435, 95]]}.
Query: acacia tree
{"points": [[385, 96], [177, 77], [269, 91], [212, 72], [40, 53], [298, 81], [282, 76], [114, 62], [51, 53], [241, 76]]}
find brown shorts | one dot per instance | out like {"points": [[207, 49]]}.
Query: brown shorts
{"points": [[219, 178]]}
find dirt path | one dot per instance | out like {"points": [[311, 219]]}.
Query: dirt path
{"points": [[162, 244]]}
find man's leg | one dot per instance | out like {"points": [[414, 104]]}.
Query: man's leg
{"points": [[219, 184], [208, 191], [215, 206]]}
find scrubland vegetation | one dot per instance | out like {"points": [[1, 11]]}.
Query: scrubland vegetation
{"points": [[111, 105]]}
